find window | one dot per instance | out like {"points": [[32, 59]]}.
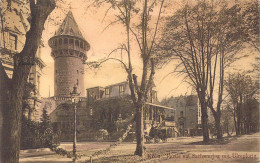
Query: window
{"points": [[13, 41], [77, 71], [55, 43], [90, 111], [71, 41], [77, 81], [60, 41], [121, 88], [77, 43], [38, 84], [66, 41], [81, 44], [107, 91], [31, 77], [181, 113]]}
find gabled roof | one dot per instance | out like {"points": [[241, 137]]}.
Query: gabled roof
{"points": [[69, 27]]}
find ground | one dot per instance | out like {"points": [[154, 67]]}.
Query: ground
{"points": [[183, 149]]}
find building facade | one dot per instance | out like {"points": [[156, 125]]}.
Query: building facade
{"points": [[14, 26], [154, 114], [187, 113]]}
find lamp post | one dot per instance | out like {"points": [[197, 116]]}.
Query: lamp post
{"points": [[74, 98]]}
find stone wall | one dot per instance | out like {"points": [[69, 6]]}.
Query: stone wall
{"points": [[68, 72]]}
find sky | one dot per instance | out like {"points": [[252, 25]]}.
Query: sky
{"points": [[92, 24]]}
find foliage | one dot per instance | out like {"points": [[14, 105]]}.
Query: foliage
{"points": [[243, 99], [250, 24], [38, 134]]}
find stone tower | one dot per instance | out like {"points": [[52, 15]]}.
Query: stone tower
{"points": [[69, 53]]}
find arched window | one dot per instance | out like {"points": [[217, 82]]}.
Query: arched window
{"points": [[71, 41], [77, 43], [66, 41], [81, 44], [55, 42], [60, 41]]}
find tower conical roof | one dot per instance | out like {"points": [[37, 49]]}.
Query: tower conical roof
{"points": [[69, 27]]}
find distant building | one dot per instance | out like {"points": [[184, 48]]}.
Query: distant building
{"points": [[187, 113], [13, 28]]}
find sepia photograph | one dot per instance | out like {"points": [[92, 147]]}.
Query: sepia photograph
{"points": [[129, 81]]}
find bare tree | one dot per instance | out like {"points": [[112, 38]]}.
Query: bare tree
{"points": [[204, 40], [139, 93], [12, 90]]}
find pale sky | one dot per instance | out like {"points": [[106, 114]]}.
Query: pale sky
{"points": [[102, 43]]}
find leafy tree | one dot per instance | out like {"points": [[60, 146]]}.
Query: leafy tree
{"points": [[12, 90], [46, 128], [250, 24], [242, 91], [45, 120]]}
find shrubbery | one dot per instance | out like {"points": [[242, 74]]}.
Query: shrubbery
{"points": [[38, 134]]}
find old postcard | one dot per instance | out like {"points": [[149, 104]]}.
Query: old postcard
{"points": [[129, 81]]}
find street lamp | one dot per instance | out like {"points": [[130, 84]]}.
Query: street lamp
{"points": [[74, 98]]}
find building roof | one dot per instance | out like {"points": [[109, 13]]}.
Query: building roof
{"points": [[69, 27], [160, 106]]}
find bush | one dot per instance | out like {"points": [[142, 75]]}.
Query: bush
{"points": [[35, 135]]}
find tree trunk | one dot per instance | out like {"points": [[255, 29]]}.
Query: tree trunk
{"points": [[12, 89], [12, 111], [239, 120], [218, 126], [204, 118], [139, 131], [235, 123], [228, 128]]}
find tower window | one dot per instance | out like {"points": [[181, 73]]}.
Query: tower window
{"points": [[56, 71], [81, 44], [77, 71], [60, 41], [71, 41], [66, 41], [13, 41], [55, 42], [77, 43], [77, 81]]}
